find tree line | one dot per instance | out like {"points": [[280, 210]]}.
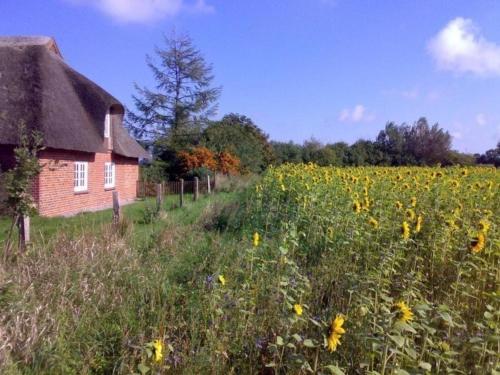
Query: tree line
{"points": [[174, 121]]}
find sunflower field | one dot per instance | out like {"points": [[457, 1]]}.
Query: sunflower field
{"points": [[367, 270]]}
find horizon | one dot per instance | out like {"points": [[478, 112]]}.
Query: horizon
{"points": [[323, 69]]}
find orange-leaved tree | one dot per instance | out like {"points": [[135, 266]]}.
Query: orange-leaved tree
{"points": [[199, 157], [228, 163]]}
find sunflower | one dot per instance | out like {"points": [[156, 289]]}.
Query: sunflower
{"points": [[373, 222], [356, 206], [336, 332], [477, 244], [256, 239], [222, 280], [418, 227], [413, 201], [405, 230], [410, 214], [399, 205], [484, 226], [157, 350], [405, 313], [297, 308]]}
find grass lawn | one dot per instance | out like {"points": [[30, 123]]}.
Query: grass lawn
{"points": [[43, 229]]}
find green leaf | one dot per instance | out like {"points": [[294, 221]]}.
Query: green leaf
{"points": [[401, 372], [297, 337], [425, 365], [309, 343], [399, 340], [334, 370], [279, 341], [143, 369], [271, 364]]}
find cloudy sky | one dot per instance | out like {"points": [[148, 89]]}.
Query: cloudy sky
{"points": [[330, 69]]}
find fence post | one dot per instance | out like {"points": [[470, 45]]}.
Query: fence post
{"points": [[24, 231], [159, 196], [116, 208], [181, 194], [208, 184], [196, 189]]}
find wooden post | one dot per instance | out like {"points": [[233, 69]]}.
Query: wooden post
{"points": [[24, 231], [116, 208], [208, 184], [159, 196], [181, 194], [196, 189]]}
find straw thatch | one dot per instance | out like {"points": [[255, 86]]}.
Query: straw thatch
{"points": [[38, 88]]}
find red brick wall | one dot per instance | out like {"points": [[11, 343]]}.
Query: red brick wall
{"points": [[54, 189]]}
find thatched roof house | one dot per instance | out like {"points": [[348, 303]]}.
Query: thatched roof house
{"points": [[81, 125]]}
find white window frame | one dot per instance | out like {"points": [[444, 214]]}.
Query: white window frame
{"points": [[109, 175], [81, 176], [107, 125]]}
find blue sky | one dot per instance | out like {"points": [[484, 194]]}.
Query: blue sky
{"points": [[336, 70]]}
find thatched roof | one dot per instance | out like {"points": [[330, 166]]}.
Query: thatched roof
{"points": [[38, 88]]}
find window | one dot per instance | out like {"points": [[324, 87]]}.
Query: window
{"points": [[109, 175], [81, 175], [107, 125]]}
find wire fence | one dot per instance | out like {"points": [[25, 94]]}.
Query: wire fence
{"points": [[149, 189]]}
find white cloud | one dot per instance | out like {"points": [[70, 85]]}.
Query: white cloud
{"points": [[356, 114], [202, 7], [459, 47], [143, 11], [481, 119], [457, 135]]}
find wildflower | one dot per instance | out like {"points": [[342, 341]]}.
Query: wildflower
{"points": [[405, 230], [405, 313], [356, 206], [477, 244], [283, 187], [373, 222], [413, 201], [418, 227], [298, 309], [222, 280], [256, 239], [336, 332], [399, 205], [157, 350], [484, 226]]}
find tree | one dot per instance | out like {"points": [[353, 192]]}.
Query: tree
{"points": [[238, 135], [173, 115], [18, 181], [428, 144], [490, 157], [392, 143], [199, 157], [286, 152]]}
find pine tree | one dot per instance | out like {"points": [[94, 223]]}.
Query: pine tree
{"points": [[171, 116]]}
